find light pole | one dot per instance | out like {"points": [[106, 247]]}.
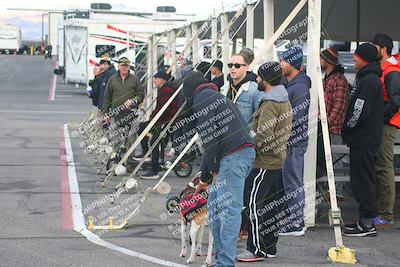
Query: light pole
{"points": [[43, 28], [43, 14]]}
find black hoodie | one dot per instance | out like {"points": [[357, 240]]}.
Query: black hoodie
{"points": [[250, 76], [363, 123], [220, 125], [99, 86]]}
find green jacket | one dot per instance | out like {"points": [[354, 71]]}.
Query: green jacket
{"points": [[272, 126], [118, 91]]}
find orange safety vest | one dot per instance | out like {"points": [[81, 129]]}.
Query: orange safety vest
{"points": [[387, 68]]}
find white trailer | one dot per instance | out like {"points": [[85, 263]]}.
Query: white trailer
{"points": [[10, 38], [75, 51], [114, 35]]}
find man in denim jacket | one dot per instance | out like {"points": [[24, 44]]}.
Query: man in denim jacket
{"points": [[242, 87]]}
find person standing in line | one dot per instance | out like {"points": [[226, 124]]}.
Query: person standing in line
{"points": [[241, 87], [107, 71], [362, 132], [216, 71], [336, 92], [123, 90], [165, 89], [273, 118], [93, 86], [298, 88], [385, 182], [227, 161]]}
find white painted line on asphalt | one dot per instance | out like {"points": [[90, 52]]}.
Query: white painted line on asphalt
{"points": [[64, 96], [78, 218]]}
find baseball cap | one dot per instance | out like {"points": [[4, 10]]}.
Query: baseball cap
{"points": [[124, 61]]}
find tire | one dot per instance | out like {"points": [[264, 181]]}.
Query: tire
{"points": [[172, 203], [183, 169], [111, 163]]}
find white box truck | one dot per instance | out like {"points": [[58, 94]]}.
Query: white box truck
{"points": [[10, 39]]}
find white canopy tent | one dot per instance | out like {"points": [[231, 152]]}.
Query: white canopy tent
{"points": [[341, 20]]}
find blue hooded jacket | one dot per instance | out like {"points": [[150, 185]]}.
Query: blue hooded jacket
{"points": [[299, 96]]}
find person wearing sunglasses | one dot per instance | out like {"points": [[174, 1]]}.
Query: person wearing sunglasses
{"points": [[242, 87]]}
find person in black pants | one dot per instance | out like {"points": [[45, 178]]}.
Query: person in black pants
{"points": [[264, 185], [165, 90], [362, 132]]}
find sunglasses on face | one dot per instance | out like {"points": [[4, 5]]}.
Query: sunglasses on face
{"points": [[237, 65]]}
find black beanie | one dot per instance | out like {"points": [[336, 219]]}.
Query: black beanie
{"points": [[163, 74], [367, 52], [271, 72], [191, 81]]}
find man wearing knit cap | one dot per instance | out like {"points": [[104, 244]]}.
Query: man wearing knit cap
{"points": [[362, 132], [336, 90], [264, 184], [298, 88], [385, 183]]}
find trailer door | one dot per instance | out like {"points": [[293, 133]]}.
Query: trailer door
{"points": [[60, 47], [75, 54]]}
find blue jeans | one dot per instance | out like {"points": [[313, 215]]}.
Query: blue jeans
{"points": [[225, 203]]}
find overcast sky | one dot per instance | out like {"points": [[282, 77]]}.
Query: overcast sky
{"points": [[30, 22]]}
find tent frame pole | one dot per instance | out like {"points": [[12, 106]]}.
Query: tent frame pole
{"points": [[339, 253], [250, 27], [269, 24]]}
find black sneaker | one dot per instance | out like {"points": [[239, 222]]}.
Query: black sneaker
{"points": [[350, 226], [361, 230], [295, 231], [271, 252], [150, 175]]}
